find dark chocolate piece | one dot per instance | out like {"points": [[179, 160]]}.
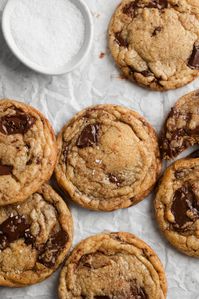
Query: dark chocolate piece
{"points": [[88, 136], [19, 123], [3, 241], [29, 238], [130, 8], [94, 260], [184, 200], [5, 169], [114, 179], [38, 160], [160, 4], [180, 135], [137, 293], [146, 73], [12, 229], [120, 40], [29, 162], [193, 62], [52, 248], [156, 30]]}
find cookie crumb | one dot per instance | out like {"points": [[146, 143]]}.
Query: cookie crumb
{"points": [[102, 54]]}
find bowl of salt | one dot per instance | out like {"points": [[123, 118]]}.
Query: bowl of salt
{"points": [[51, 37]]}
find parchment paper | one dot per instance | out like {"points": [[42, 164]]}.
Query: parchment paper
{"points": [[98, 81]]}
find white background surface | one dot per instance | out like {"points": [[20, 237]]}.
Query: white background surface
{"points": [[97, 81]]}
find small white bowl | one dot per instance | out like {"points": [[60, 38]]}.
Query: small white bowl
{"points": [[69, 66]]}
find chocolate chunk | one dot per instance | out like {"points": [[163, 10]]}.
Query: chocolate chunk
{"points": [[29, 238], [180, 135], [50, 251], [115, 180], [3, 242], [120, 40], [29, 162], [146, 73], [38, 160], [194, 154], [85, 261], [95, 260], [156, 30], [184, 199], [5, 169], [129, 8], [19, 123], [193, 62], [160, 4], [89, 136], [12, 229], [137, 293], [173, 113]]}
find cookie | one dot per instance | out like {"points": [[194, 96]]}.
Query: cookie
{"points": [[108, 158], [155, 43], [35, 237], [113, 266], [28, 151], [177, 205], [181, 128]]}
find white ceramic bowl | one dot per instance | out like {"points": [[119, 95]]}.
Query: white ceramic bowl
{"points": [[69, 66]]}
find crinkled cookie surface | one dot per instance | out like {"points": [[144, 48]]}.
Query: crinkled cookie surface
{"points": [[28, 151], [108, 158], [181, 128], [156, 42], [177, 205], [35, 237], [113, 266]]}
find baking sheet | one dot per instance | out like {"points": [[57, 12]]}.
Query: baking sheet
{"points": [[98, 81]]}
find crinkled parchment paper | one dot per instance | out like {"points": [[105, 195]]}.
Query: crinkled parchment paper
{"points": [[98, 81]]}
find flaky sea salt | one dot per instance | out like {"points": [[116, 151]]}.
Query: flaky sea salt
{"points": [[48, 32]]}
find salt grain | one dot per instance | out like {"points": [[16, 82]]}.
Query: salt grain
{"points": [[48, 32]]}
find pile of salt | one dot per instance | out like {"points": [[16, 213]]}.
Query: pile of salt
{"points": [[48, 32]]}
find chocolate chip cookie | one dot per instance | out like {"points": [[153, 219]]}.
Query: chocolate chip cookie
{"points": [[28, 151], [35, 237], [181, 128], [108, 158], [177, 205], [156, 42], [113, 266]]}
